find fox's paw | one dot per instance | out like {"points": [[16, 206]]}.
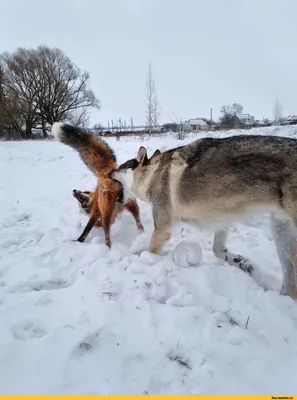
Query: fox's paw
{"points": [[140, 227]]}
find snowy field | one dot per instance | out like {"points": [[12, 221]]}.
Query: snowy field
{"points": [[82, 319]]}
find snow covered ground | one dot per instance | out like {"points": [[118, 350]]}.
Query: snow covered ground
{"points": [[81, 319]]}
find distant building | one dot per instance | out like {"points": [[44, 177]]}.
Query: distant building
{"points": [[237, 121], [291, 120], [170, 127], [197, 124], [246, 119]]}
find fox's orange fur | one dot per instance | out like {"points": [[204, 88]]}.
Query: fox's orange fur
{"points": [[100, 159]]}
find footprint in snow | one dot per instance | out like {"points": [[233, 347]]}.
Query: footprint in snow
{"points": [[27, 330], [40, 286]]}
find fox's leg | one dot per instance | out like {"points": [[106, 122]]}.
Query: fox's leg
{"points": [[285, 239], [106, 223], [133, 208], [161, 234], [99, 223], [220, 250], [92, 221], [108, 213]]}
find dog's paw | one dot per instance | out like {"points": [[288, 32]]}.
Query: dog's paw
{"points": [[243, 264]]}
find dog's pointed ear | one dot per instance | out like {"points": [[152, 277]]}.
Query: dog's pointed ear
{"points": [[156, 156], [142, 155]]}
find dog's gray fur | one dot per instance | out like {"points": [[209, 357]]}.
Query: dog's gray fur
{"points": [[220, 181]]}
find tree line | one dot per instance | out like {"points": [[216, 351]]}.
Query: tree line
{"points": [[41, 86]]}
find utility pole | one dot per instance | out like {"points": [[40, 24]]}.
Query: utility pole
{"points": [[211, 119]]}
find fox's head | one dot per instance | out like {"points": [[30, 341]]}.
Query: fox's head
{"points": [[84, 200]]}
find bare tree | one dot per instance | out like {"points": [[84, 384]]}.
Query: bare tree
{"points": [[64, 94], [45, 86], [277, 112], [80, 118], [11, 120], [180, 125], [153, 110], [20, 77], [156, 111], [232, 110], [229, 112]]}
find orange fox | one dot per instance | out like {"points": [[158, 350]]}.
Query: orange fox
{"points": [[103, 205]]}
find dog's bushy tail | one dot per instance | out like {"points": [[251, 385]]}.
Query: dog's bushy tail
{"points": [[94, 152]]}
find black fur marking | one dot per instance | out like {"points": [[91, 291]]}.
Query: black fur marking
{"points": [[87, 209], [237, 259], [281, 193], [202, 148], [130, 164], [121, 195], [173, 150], [246, 268], [88, 227]]}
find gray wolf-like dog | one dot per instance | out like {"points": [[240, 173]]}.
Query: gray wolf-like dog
{"points": [[214, 182]]}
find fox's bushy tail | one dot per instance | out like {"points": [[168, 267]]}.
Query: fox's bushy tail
{"points": [[94, 152]]}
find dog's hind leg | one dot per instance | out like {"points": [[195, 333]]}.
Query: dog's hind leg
{"points": [[133, 208], [92, 221], [285, 239], [220, 250]]}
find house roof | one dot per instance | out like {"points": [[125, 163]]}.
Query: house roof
{"points": [[196, 121], [292, 118], [245, 117]]}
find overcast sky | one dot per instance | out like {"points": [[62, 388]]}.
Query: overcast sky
{"points": [[204, 53]]}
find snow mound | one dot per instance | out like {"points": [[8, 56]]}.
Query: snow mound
{"points": [[187, 254]]}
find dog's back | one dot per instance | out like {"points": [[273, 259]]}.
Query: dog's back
{"points": [[222, 179], [232, 176]]}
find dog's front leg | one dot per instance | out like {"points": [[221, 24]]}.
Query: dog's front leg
{"points": [[285, 239], [92, 221], [159, 237], [220, 250], [161, 234]]}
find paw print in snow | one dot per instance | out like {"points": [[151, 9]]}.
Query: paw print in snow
{"points": [[27, 330]]}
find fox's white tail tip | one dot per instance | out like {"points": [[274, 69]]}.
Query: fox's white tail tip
{"points": [[57, 130]]}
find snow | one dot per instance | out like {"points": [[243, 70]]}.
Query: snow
{"points": [[187, 254], [78, 318]]}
